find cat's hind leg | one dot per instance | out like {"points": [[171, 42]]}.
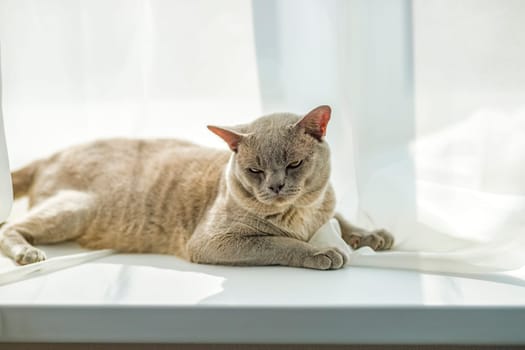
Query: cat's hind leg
{"points": [[357, 237], [62, 217]]}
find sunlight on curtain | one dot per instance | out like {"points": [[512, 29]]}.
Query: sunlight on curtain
{"points": [[429, 97], [467, 150], [79, 70], [470, 106]]}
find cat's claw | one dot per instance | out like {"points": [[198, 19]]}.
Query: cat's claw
{"points": [[326, 259], [29, 255]]}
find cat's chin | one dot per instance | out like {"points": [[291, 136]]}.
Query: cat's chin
{"points": [[278, 201]]}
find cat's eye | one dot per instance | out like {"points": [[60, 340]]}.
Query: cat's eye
{"points": [[294, 165], [255, 170]]}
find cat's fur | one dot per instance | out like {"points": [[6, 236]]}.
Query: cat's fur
{"points": [[256, 205]]}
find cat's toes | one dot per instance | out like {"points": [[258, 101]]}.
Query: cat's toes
{"points": [[29, 255], [326, 259], [354, 241], [378, 240], [387, 237]]}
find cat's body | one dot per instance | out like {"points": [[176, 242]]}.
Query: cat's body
{"points": [[142, 195], [201, 204]]}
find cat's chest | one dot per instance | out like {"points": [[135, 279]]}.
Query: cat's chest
{"points": [[299, 223]]}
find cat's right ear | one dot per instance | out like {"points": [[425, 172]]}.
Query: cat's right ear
{"points": [[314, 123], [231, 137]]}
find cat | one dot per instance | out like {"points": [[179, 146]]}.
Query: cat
{"points": [[257, 204]]}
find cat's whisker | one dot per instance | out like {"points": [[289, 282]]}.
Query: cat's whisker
{"points": [[291, 190]]}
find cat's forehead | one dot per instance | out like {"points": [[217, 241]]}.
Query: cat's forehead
{"points": [[273, 122], [274, 139], [273, 129], [276, 129]]}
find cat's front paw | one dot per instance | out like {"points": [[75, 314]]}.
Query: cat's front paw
{"points": [[29, 255], [377, 240], [326, 259]]}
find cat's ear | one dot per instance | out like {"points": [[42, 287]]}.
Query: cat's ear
{"points": [[314, 123], [232, 138]]}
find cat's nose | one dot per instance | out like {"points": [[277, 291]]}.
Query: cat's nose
{"points": [[276, 188]]}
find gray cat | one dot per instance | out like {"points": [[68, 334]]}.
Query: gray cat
{"points": [[256, 205]]}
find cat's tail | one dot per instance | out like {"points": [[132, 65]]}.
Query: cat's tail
{"points": [[23, 178]]}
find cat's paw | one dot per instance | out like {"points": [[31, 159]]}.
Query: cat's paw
{"points": [[29, 255], [377, 240], [326, 259]]}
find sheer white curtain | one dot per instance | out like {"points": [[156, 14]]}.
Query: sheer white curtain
{"points": [[429, 99], [79, 70], [428, 131]]}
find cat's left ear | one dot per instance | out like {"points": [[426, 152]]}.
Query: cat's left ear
{"points": [[314, 123], [232, 138]]}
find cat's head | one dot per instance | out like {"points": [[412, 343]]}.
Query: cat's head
{"points": [[281, 159]]}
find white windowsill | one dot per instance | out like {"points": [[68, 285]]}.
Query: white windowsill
{"points": [[151, 298]]}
